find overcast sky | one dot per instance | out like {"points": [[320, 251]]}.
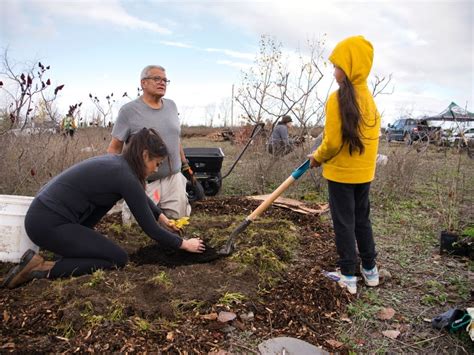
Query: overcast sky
{"points": [[101, 46]]}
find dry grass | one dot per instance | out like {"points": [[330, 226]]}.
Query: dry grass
{"points": [[28, 162]]}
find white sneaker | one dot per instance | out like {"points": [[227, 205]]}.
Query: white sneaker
{"points": [[348, 282], [371, 277]]}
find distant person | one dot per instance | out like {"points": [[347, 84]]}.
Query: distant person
{"points": [[167, 188], [279, 142], [348, 156], [68, 125], [62, 216]]}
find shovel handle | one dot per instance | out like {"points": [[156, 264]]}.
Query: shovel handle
{"points": [[299, 171], [295, 175]]}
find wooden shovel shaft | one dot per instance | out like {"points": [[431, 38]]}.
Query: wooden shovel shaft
{"points": [[270, 199]]}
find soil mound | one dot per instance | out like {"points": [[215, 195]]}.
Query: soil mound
{"points": [[155, 254]]}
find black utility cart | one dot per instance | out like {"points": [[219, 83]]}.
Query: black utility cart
{"points": [[206, 164]]}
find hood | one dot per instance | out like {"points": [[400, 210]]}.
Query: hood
{"points": [[354, 56]]}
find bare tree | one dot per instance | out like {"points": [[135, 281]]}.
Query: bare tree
{"points": [[252, 95], [104, 109], [273, 87], [298, 89], [380, 85], [225, 110], [209, 114], [24, 89], [139, 92]]}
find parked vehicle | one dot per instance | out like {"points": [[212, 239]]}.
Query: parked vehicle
{"points": [[463, 138], [410, 130]]}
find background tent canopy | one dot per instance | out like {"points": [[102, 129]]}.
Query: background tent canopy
{"points": [[453, 113]]}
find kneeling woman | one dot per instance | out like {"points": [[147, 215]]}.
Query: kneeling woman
{"points": [[62, 216]]}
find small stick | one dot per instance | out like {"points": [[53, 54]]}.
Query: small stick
{"points": [[419, 342]]}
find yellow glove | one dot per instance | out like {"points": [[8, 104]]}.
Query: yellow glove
{"points": [[180, 223]]}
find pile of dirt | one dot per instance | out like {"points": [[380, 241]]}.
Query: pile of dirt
{"points": [[169, 301], [155, 254]]}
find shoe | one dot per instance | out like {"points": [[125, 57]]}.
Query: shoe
{"points": [[371, 277], [447, 319], [31, 266], [348, 282]]}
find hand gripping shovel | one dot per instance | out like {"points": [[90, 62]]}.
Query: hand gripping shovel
{"points": [[295, 175]]}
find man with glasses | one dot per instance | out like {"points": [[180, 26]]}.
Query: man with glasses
{"points": [[167, 187]]}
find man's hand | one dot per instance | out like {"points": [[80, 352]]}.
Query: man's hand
{"points": [[193, 245], [313, 163], [188, 172], [165, 222]]}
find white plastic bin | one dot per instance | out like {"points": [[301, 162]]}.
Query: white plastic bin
{"points": [[13, 239]]}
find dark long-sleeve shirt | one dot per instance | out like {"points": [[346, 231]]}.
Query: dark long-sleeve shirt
{"points": [[89, 189]]}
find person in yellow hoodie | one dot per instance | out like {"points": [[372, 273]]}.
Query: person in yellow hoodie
{"points": [[347, 155]]}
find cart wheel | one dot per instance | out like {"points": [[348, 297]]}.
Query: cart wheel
{"points": [[213, 185], [195, 192]]}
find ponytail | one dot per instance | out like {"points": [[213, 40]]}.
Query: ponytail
{"points": [[351, 117], [146, 139]]}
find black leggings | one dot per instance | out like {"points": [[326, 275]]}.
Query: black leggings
{"points": [[350, 211], [81, 248]]}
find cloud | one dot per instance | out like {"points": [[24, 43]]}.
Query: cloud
{"points": [[227, 52], [427, 45], [238, 65], [231, 53], [177, 44], [109, 11], [104, 12]]}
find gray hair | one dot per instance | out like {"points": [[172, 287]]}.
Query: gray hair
{"points": [[145, 70]]}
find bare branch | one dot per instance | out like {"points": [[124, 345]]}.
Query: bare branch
{"points": [[379, 85]]}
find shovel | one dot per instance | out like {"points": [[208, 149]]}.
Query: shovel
{"points": [[295, 175], [228, 248]]}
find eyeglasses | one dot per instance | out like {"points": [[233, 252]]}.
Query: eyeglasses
{"points": [[158, 79]]}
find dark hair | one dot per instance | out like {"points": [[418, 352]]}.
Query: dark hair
{"points": [[350, 115], [285, 119], [146, 139]]}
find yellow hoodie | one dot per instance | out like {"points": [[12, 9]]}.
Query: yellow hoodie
{"points": [[354, 56]]}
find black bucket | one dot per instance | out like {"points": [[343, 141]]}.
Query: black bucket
{"points": [[451, 243]]}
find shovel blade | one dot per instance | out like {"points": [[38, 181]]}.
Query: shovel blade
{"points": [[228, 248]]}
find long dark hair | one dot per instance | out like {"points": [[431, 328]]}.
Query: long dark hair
{"points": [[146, 139], [351, 117]]}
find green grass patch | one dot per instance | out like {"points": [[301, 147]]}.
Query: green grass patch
{"points": [[468, 232], [361, 310], [116, 312], [230, 298], [190, 305], [142, 325], [97, 278], [65, 330], [89, 316], [266, 246], [162, 278]]}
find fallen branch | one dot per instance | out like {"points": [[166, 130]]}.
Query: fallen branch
{"points": [[293, 205]]}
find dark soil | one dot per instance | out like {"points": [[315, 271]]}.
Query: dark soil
{"points": [[168, 301], [154, 254]]}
